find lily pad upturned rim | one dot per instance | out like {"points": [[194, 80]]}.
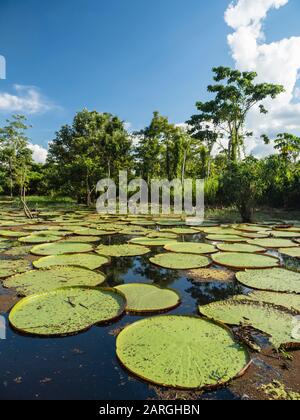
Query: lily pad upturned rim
{"points": [[194, 317], [206, 261], [82, 248], [137, 250], [10, 283], [249, 267], [101, 322], [241, 277], [207, 248], [149, 311], [37, 263], [230, 247]]}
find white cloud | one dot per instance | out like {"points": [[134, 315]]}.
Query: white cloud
{"points": [[25, 99], [276, 62], [39, 153]]}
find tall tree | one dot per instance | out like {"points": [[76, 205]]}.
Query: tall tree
{"points": [[95, 146], [15, 154], [236, 93]]}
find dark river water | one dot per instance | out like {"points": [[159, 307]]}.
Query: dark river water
{"points": [[85, 366]]}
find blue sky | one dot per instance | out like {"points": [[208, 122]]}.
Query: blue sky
{"points": [[127, 57]]}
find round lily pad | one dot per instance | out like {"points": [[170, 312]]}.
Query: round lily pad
{"points": [[225, 238], [170, 222], [66, 311], [287, 300], [275, 279], [282, 234], [90, 261], [182, 231], [250, 228], [94, 232], [11, 234], [291, 252], [264, 317], [40, 281], [11, 267], [125, 250], [18, 251], [82, 239], [39, 239], [165, 235], [148, 298], [191, 248], [272, 243], [239, 260], [176, 261], [245, 248], [60, 248], [181, 352], [150, 241]]}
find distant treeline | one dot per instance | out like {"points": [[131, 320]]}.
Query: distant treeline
{"points": [[211, 145]]}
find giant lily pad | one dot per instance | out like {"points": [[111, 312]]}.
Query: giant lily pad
{"points": [[150, 241], [66, 311], [264, 317], [40, 281], [176, 261], [225, 238], [11, 234], [243, 260], [94, 232], [39, 238], [125, 250], [182, 231], [11, 267], [272, 243], [291, 252], [148, 298], [284, 234], [82, 239], [287, 300], [90, 261], [245, 248], [275, 279], [18, 251], [191, 248], [60, 248], [181, 352]]}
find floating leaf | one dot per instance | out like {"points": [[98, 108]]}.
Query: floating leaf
{"points": [[39, 281], [287, 300], [94, 232], [181, 352], [282, 234], [148, 298], [178, 261], [90, 261], [273, 321], [245, 248], [39, 238], [238, 260], [272, 243], [61, 248], [191, 248], [11, 234], [225, 238], [150, 241], [66, 311], [275, 279], [291, 252], [18, 251], [125, 250], [182, 231], [11, 267]]}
